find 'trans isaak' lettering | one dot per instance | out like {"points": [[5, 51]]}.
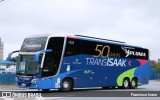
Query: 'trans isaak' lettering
{"points": [[106, 62]]}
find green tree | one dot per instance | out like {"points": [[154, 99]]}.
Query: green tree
{"points": [[157, 68], [14, 59], [153, 64]]}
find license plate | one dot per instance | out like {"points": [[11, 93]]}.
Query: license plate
{"points": [[23, 84]]}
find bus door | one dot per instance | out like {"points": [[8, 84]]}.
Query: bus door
{"points": [[52, 61]]}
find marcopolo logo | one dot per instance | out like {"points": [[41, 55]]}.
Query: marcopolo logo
{"points": [[32, 46], [130, 51]]}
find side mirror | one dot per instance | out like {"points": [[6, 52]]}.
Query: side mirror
{"points": [[10, 54]]}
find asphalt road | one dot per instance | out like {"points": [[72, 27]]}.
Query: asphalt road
{"points": [[153, 88], [150, 91]]}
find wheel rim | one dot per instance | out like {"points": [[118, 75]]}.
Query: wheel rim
{"points": [[66, 84], [126, 83], [133, 83]]}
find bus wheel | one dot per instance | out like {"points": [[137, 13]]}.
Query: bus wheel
{"points": [[45, 90], [106, 87], [67, 85], [126, 83], [133, 83]]}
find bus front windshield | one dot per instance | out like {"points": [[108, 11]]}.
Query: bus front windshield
{"points": [[27, 66]]}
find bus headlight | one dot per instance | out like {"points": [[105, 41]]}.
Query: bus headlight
{"points": [[33, 81]]}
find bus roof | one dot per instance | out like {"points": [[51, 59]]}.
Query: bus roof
{"points": [[101, 40], [84, 38]]}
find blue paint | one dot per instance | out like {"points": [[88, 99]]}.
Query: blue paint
{"points": [[99, 75], [84, 75], [142, 73]]}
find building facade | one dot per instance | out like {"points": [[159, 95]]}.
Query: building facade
{"points": [[1, 49]]}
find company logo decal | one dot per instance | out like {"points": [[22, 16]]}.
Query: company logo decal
{"points": [[105, 57], [77, 62], [24, 78], [131, 52], [106, 62], [32, 46], [89, 72]]}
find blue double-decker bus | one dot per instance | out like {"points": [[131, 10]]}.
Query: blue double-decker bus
{"points": [[65, 62]]}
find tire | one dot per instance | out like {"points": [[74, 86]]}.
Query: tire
{"points": [[126, 83], [67, 85], [45, 90], [113, 87], [134, 83], [120, 87], [105, 87]]}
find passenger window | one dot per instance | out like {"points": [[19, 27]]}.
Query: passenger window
{"points": [[73, 47]]}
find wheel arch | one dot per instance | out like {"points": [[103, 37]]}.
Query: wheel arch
{"points": [[70, 79], [127, 74], [135, 78]]}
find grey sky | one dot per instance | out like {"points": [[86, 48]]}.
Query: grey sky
{"points": [[136, 22]]}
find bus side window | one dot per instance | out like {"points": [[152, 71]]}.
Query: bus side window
{"points": [[73, 47]]}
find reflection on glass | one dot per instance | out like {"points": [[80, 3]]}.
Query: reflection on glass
{"points": [[26, 65]]}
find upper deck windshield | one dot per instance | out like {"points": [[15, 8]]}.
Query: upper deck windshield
{"points": [[33, 44]]}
